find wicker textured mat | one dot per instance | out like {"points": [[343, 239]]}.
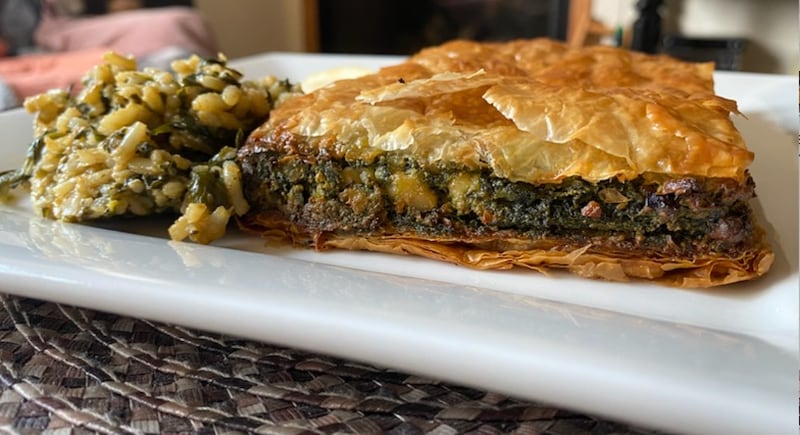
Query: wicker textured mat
{"points": [[71, 370]]}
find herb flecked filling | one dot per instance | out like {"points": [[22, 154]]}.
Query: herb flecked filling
{"points": [[394, 193]]}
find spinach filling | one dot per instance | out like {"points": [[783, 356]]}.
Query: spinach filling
{"points": [[680, 216]]}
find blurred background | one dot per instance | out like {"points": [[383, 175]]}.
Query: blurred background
{"points": [[51, 43], [763, 33]]}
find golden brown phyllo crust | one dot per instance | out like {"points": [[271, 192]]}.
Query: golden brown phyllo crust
{"points": [[605, 162]]}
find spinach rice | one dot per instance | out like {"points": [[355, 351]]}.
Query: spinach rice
{"points": [[138, 142]]}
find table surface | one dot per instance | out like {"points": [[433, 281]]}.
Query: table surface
{"points": [[68, 368]]}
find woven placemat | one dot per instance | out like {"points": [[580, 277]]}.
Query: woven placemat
{"points": [[71, 370]]}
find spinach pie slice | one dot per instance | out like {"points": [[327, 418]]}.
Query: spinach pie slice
{"points": [[608, 163]]}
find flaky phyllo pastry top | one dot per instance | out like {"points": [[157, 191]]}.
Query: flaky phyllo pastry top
{"points": [[606, 162], [532, 111]]}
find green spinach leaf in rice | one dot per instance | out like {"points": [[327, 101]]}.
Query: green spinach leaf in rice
{"points": [[140, 142]]}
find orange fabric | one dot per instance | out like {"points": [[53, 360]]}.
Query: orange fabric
{"points": [[36, 73], [74, 45]]}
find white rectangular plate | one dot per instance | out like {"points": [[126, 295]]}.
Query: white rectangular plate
{"points": [[715, 361]]}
